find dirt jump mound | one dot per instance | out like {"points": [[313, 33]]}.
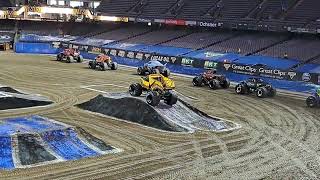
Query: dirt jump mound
{"points": [[34, 140], [13, 99], [181, 117]]}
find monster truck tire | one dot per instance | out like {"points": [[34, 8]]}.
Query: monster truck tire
{"points": [[140, 71], [92, 64], [79, 59], [153, 98], [272, 92], [225, 84], [135, 89], [241, 89], [197, 81], [166, 73], [155, 71], [261, 92], [69, 59], [170, 98], [59, 57], [114, 66], [104, 66], [311, 102], [213, 84]]}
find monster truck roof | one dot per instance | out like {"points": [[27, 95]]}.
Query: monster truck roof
{"points": [[154, 63]]}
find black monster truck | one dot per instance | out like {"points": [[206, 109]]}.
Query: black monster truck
{"points": [[258, 86]]}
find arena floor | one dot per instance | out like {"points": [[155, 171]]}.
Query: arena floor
{"points": [[279, 137]]}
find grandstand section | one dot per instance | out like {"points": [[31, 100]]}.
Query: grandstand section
{"points": [[122, 33], [157, 36], [267, 15], [199, 40], [248, 43], [298, 48], [5, 3]]}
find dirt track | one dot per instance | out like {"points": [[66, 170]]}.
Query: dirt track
{"points": [[279, 138]]}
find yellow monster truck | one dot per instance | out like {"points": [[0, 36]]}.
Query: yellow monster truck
{"points": [[158, 87]]}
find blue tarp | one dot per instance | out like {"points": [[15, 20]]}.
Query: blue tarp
{"points": [[6, 161], [158, 49], [212, 56], [269, 61], [35, 48], [35, 124], [165, 50], [63, 140], [67, 144], [39, 38], [91, 41], [126, 46], [311, 68]]}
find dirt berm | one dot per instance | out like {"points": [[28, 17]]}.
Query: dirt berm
{"points": [[13, 99], [14, 103], [179, 117], [131, 109]]}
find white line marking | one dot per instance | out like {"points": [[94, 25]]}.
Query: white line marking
{"points": [[104, 85], [91, 89]]}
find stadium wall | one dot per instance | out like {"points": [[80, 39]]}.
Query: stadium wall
{"points": [[282, 79]]}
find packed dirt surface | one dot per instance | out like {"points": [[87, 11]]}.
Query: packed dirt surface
{"points": [[279, 137]]}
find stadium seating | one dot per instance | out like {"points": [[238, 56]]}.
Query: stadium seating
{"points": [[157, 36], [5, 3], [305, 11], [236, 9], [295, 12], [122, 33], [6, 25], [299, 48], [199, 40], [116, 7], [153, 8], [247, 43]]}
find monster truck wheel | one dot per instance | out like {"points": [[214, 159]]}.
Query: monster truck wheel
{"points": [[311, 101], [153, 98], [59, 57], [241, 89], [140, 71], [80, 59], [170, 98], [261, 92], [197, 81], [69, 59], [135, 89], [166, 73], [213, 84], [114, 66], [155, 71], [102, 66], [92, 64], [225, 84], [273, 92]]}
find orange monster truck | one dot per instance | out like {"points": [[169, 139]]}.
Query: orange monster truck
{"points": [[103, 62], [70, 55]]}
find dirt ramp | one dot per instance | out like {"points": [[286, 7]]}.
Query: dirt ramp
{"points": [[15, 103], [181, 117], [9, 89], [128, 108], [13, 99]]}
